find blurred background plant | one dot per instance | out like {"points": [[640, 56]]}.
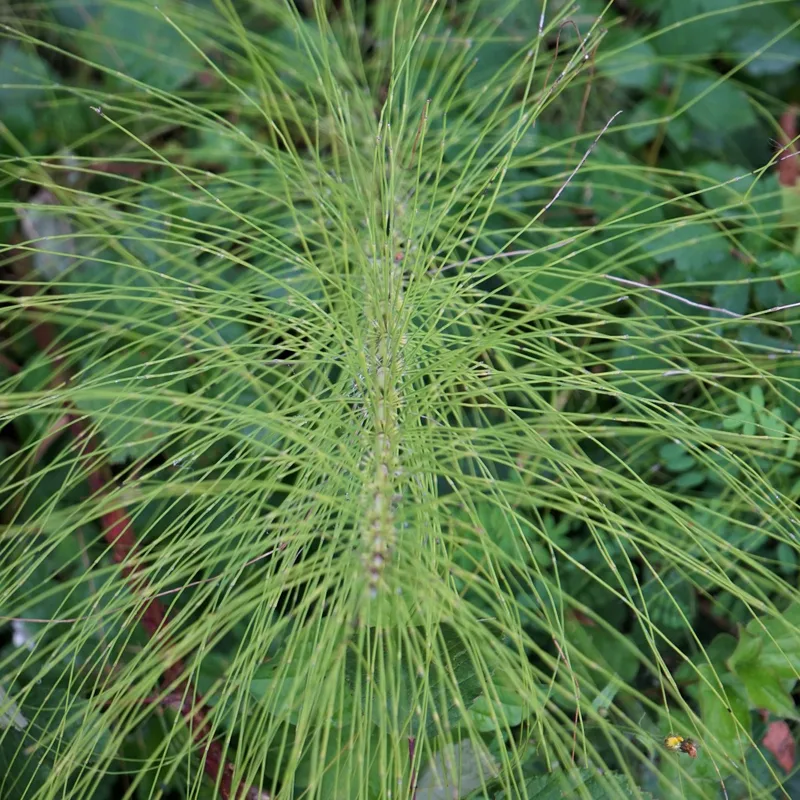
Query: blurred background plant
{"points": [[399, 399]]}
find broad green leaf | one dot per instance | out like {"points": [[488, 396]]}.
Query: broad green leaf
{"points": [[722, 648], [691, 480], [411, 679], [724, 186], [733, 297], [788, 266], [615, 190], [24, 78], [35, 724], [733, 191], [604, 649], [671, 600], [581, 783], [676, 457], [684, 35], [766, 690], [491, 58], [344, 769], [605, 698], [632, 63], [716, 105], [771, 58], [507, 709], [455, 771], [506, 531], [290, 287], [694, 247], [122, 404], [772, 423], [52, 233], [142, 45], [24, 82], [780, 643], [725, 711], [76, 13]]}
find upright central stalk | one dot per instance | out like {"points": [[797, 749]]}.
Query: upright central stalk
{"points": [[385, 340]]}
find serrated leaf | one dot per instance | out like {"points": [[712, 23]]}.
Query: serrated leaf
{"points": [[746, 652], [725, 710], [672, 598], [766, 690], [772, 423], [780, 642], [581, 783], [725, 186], [788, 267], [693, 246]]}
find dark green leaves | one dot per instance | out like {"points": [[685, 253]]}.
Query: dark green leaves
{"points": [[35, 724], [734, 678], [772, 644], [581, 783], [456, 771], [693, 28], [725, 710], [631, 62], [693, 246], [716, 105], [25, 82], [141, 44], [131, 416]]}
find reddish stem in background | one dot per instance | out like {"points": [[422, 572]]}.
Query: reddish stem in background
{"points": [[555, 55], [119, 533], [577, 699], [422, 121], [788, 168], [55, 431], [585, 101], [10, 365]]}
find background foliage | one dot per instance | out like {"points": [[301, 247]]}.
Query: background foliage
{"points": [[399, 399]]}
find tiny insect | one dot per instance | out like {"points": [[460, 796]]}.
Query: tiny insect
{"points": [[678, 744]]}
